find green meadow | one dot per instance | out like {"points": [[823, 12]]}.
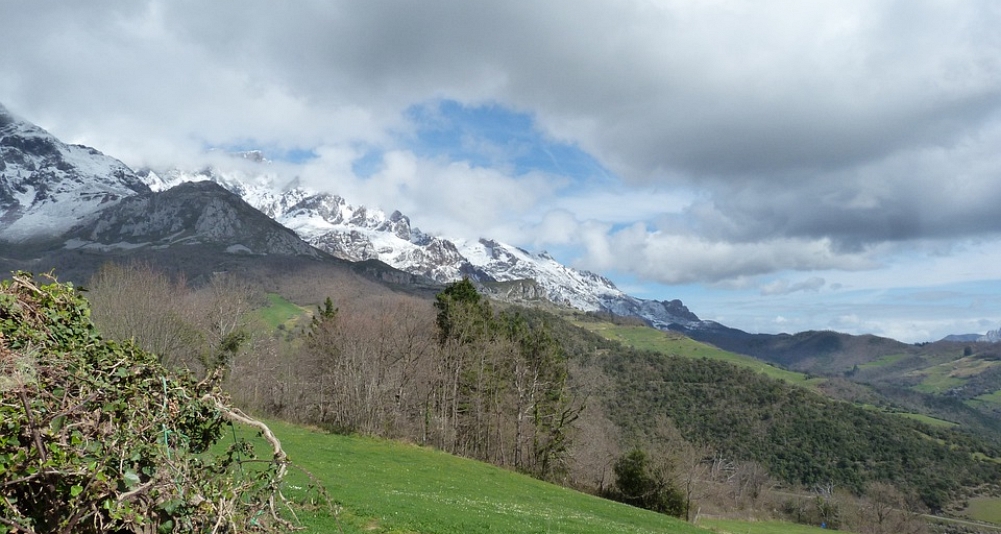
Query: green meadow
{"points": [[670, 343], [383, 486], [985, 509], [279, 312]]}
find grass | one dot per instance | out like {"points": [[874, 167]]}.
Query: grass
{"points": [[280, 311], [726, 526], [951, 374], [985, 509], [889, 359], [926, 419], [390, 487], [671, 343], [990, 400]]}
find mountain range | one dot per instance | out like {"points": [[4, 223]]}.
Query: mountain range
{"points": [[74, 198], [56, 198]]}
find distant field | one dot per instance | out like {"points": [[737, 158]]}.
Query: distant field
{"points": [[884, 361], [646, 338], [389, 487], [991, 400], [985, 509], [926, 419], [279, 311], [944, 376]]}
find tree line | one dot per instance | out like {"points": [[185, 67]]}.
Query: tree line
{"points": [[525, 389]]}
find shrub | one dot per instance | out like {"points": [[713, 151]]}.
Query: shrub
{"points": [[95, 436]]}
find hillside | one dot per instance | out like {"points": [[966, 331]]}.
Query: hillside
{"points": [[385, 486]]}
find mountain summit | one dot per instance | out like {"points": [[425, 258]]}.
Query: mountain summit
{"points": [[47, 186], [357, 233], [77, 198]]}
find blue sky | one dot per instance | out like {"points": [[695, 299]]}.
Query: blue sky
{"points": [[778, 166]]}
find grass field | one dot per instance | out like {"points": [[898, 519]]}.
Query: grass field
{"points": [[389, 487], [884, 361], [951, 374], [279, 311], [989, 401], [646, 338], [985, 509], [926, 419]]}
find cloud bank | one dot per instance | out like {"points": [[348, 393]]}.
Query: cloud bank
{"points": [[676, 141]]}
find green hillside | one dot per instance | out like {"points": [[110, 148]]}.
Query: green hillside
{"points": [[675, 344], [939, 376], [279, 313], [386, 486]]}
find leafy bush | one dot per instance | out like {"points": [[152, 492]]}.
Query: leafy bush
{"points": [[639, 484], [95, 436]]}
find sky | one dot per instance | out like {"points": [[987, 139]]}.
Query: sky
{"points": [[779, 166]]}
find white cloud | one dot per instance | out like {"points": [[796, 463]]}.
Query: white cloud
{"points": [[849, 142], [784, 287]]}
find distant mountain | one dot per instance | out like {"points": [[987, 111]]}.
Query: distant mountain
{"points": [[79, 199], [962, 338], [992, 336], [47, 186], [358, 233]]}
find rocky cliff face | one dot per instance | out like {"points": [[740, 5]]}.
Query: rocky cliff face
{"points": [[201, 213]]}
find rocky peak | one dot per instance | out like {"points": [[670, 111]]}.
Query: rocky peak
{"points": [[47, 186], [193, 213]]}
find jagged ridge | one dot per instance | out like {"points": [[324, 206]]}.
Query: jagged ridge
{"points": [[329, 223]]}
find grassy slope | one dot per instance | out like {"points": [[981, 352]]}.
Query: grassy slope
{"points": [[646, 338], [985, 509], [385, 486], [279, 311]]}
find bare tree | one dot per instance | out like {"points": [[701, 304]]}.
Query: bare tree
{"points": [[134, 301]]}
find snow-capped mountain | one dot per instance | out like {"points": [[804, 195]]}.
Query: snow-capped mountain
{"points": [[84, 200], [357, 233], [47, 186], [329, 223]]}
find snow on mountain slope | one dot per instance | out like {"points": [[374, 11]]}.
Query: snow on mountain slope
{"points": [[329, 223], [353, 233], [49, 189], [46, 186]]}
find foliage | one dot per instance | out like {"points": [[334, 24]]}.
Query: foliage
{"points": [[509, 381], [639, 484], [95, 436], [463, 314], [802, 437]]}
